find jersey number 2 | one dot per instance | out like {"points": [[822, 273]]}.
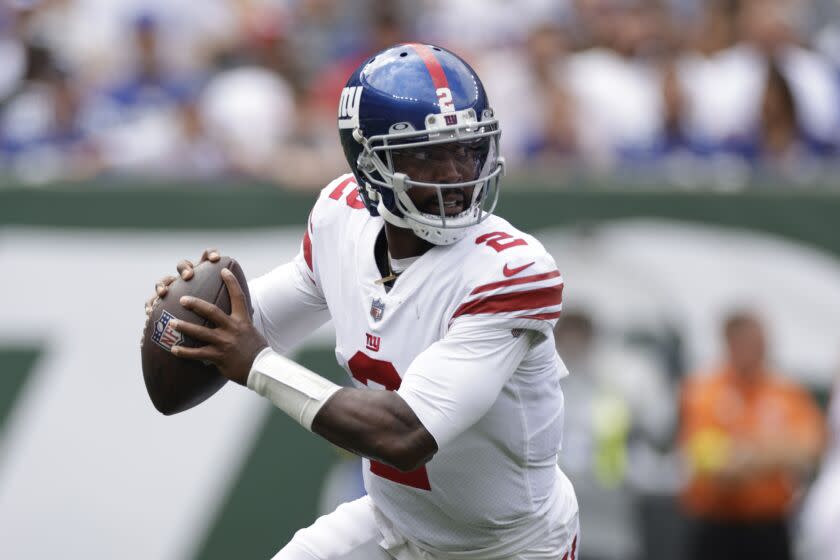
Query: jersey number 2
{"points": [[499, 241], [364, 369]]}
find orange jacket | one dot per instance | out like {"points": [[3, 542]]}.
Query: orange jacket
{"points": [[720, 410]]}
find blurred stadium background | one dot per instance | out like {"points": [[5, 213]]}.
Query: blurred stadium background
{"points": [[677, 157]]}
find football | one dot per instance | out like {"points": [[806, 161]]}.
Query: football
{"points": [[177, 384]]}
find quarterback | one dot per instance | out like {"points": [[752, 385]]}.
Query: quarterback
{"points": [[443, 316]]}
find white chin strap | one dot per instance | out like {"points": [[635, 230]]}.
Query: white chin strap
{"points": [[434, 235]]}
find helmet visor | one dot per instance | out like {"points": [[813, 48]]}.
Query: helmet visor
{"points": [[454, 162], [445, 177]]}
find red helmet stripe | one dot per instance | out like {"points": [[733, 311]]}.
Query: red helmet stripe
{"points": [[432, 65]]}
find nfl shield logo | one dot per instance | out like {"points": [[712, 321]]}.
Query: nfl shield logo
{"points": [[165, 336], [377, 308]]}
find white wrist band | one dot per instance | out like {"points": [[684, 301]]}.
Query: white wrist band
{"points": [[292, 388]]}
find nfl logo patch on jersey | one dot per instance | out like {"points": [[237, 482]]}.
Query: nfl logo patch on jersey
{"points": [[377, 309], [165, 336]]}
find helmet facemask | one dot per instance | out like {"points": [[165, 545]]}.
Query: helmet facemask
{"points": [[457, 140]]}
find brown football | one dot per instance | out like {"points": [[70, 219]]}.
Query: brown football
{"points": [[177, 384]]}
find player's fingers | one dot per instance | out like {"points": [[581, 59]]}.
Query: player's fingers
{"points": [[185, 269], [162, 287], [150, 303], [205, 353], [211, 255], [197, 332], [238, 304], [205, 309]]}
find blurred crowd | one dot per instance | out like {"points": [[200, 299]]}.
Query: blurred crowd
{"points": [[717, 93]]}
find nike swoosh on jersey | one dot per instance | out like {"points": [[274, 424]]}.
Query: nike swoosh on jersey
{"points": [[508, 272]]}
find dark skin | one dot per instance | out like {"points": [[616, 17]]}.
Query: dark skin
{"points": [[371, 423]]}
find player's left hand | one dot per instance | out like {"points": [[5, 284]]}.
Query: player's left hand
{"points": [[234, 344]]}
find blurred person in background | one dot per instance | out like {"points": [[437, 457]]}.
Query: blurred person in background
{"points": [[618, 412], [770, 28], [749, 438], [540, 128], [556, 144], [386, 27], [194, 154], [827, 30], [781, 144], [819, 537], [12, 54], [673, 103], [42, 137], [329, 30], [720, 77], [135, 119], [615, 83], [309, 157], [492, 23], [248, 106]]}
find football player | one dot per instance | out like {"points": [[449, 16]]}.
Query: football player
{"points": [[443, 316]]}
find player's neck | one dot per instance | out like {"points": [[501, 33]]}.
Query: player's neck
{"points": [[403, 243]]}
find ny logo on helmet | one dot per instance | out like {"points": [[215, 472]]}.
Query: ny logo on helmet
{"points": [[348, 107]]}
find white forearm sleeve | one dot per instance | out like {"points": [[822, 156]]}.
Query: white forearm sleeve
{"points": [[292, 388]]}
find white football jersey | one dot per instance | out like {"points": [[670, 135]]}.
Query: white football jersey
{"points": [[465, 336]]}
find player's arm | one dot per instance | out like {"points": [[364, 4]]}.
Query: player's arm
{"points": [[447, 388], [375, 424]]}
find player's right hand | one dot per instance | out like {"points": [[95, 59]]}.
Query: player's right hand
{"points": [[185, 271]]}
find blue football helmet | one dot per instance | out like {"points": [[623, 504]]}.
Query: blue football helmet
{"points": [[420, 100]]}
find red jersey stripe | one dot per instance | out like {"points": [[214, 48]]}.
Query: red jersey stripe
{"points": [[428, 57], [515, 281], [513, 301]]}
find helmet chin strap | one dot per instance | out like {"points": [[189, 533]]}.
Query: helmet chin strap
{"points": [[390, 217], [435, 236]]}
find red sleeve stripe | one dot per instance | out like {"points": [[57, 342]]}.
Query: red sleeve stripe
{"points": [[515, 281], [307, 250], [541, 316], [513, 301]]}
